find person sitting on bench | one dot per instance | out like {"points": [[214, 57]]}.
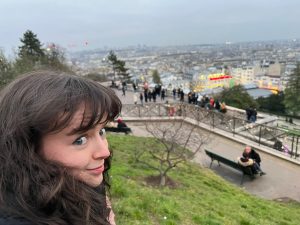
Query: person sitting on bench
{"points": [[252, 154], [119, 127], [121, 123], [246, 161]]}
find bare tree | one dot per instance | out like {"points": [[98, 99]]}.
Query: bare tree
{"points": [[176, 142]]}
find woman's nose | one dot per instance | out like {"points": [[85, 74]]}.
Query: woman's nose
{"points": [[101, 149]]}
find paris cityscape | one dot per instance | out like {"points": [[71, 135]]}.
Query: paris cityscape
{"points": [[266, 65], [148, 112]]}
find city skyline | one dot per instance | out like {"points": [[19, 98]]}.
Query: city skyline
{"points": [[78, 25]]}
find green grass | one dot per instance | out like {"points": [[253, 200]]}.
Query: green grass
{"points": [[201, 198]]}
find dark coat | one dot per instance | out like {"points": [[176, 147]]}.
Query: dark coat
{"points": [[121, 124], [254, 155]]}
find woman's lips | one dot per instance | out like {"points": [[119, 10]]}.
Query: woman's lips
{"points": [[97, 170]]}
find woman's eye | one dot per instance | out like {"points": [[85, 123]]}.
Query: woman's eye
{"points": [[80, 141], [102, 132]]}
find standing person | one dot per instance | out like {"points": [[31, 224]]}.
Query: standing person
{"points": [[123, 90], [135, 98], [146, 95], [181, 96], [154, 96], [211, 103], [55, 156], [190, 97], [149, 95], [206, 102], [174, 93], [248, 113], [159, 89], [142, 99], [199, 99], [163, 93], [134, 86], [253, 115], [124, 84], [194, 98]]}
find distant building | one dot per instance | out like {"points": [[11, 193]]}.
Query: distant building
{"points": [[266, 75], [210, 81]]}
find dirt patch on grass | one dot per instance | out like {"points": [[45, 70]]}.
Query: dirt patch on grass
{"points": [[286, 200], [154, 181]]}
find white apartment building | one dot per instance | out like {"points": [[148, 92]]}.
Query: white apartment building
{"points": [[264, 76]]}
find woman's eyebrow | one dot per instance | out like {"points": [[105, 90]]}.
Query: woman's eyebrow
{"points": [[79, 129], [75, 131]]}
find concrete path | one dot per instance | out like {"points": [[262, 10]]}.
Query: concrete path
{"points": [[282, 179]]}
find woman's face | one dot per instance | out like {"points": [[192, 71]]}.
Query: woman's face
{"points": [[82, 153]]}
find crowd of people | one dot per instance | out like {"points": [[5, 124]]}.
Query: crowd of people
{"points": [[151, 95], [204, 101]]}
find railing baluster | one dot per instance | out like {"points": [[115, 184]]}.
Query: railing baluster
{"points": [[233, 126], [259, 134], [292, 146], [296, 152]]}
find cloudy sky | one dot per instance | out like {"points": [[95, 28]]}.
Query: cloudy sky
{"points": [[78, 24]]}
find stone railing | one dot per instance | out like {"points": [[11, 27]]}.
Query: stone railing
{"points": [[263, 131]]}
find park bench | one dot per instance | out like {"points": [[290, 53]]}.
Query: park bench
{"points": [[246, 171], [125, 130]]}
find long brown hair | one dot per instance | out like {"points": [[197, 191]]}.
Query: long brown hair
{"points": [[31, 187]]}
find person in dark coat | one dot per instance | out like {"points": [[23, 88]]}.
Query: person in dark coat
{"points": [[134, 86], [141, 99], [217, 105], [190, 97], [248, 113], [250, 166], [154, 96], [123, 91], [253, 115], [253, 154], [150, 95], [178, 92], [174, 93], [181, 96], [163, 93], [121, 123], [146, 95]]}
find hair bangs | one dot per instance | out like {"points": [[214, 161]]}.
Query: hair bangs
{"points": [[101, 105]]}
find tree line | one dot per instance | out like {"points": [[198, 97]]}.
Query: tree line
{"points": [[30, 56]]}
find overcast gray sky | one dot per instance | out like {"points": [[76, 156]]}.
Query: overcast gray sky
{"points": [[79, 24]]}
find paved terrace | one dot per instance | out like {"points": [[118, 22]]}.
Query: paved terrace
{"points": [[283, 175]]}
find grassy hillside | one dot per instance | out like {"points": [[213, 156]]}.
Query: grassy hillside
{"points": [[201, 197]]}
